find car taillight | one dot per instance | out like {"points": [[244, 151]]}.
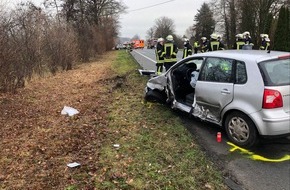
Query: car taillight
{"points": [[272, 99], [286, 56]]}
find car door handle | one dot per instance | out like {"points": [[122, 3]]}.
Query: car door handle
{"points": [[225, 91]]}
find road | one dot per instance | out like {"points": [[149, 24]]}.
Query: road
{"points": [[267, 167]]}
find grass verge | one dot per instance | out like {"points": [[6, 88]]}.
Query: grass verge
{"points": [[156, 151]]}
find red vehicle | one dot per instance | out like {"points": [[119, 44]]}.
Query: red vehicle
{"points": [[138, 44]]}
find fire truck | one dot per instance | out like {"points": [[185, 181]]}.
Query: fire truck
{"points": [[138, 44]]}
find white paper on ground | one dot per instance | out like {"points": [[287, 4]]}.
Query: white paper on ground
{"points": [[116, 145], [73, 165], [69, 111]]}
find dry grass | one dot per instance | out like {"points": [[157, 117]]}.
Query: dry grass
{"points": [[36, 141]]}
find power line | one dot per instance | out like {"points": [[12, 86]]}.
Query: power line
{"points": [[151, 6]]}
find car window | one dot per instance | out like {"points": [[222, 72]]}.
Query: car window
{"points": [[217, 70], [198, 62], [241, 73], [276, 72]]}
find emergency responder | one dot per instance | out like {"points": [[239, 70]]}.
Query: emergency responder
{"points": [[196, 46], [219, 37], [265, 44], [247, 38], [239, 42], [187, 49], [204, 45], [214, 44], [169, 52], [159, 57]]}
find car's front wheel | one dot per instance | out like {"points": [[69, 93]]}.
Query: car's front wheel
{"points": [[154, 96], [241, 130]]}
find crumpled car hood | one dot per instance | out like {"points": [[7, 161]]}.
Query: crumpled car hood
{"points": [[158, 82]]}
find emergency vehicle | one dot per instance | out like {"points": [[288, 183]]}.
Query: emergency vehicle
{"points": [[138, 44]]}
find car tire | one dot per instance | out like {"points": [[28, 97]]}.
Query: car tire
{"points": [[154, 96], [241, 130]]}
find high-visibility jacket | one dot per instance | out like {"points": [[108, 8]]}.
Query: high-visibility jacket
{"points": [[158, 53], [248, 41], [265, 45], [239, 45], [187, 50], [215, 45], [204, 46], [169, 52]]}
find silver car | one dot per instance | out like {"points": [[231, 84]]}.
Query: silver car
{"points": [[245, 91]]}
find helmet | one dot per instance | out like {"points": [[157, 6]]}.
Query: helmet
{"points": [[246, 33], [213, 36], [169, 38], [160, 40], [185, 40], [239, 36], [203, 38], [264, 35]]}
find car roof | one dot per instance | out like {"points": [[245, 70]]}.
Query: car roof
{"points": [[246, 55]]}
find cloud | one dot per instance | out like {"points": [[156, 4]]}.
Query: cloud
{"points": [[138, 22]]}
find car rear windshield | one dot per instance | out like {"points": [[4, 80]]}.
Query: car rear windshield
{"points": [[276, 72]]}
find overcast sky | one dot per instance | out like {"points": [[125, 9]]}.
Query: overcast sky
{"points": [[182, 12], [141, 14]]}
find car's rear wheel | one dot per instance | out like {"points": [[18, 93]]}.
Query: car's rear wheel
{"points": [[241, 130]]}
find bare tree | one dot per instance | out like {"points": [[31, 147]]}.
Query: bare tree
{"points": [[96, 23], [33, 41], [163, 27], [150, 33], [255, 16], [135, 37]]}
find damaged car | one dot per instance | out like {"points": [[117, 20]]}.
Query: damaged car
{"points": [[247, 92]]}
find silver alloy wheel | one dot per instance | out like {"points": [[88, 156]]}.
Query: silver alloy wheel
{"points": [[239, 129]]}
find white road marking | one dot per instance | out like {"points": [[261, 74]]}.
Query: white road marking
{"points": [[145, 56]]}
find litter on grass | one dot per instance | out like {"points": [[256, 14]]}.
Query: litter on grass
{"points": [[73, 165], [69, 111], [116, 145]]}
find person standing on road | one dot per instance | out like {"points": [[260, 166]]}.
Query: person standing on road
{"points": [[204, 45], [214, 44], [196, 46], [238, 45], [247, 38], [265, 44], [159, 56], [187, 49], [169, 52]]}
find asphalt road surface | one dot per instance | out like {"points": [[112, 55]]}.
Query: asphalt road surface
{"points": [[267, 167]]}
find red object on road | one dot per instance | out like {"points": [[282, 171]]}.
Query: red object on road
{"points": [[219, 137]]}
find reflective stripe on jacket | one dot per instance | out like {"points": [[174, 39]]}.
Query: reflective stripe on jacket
{"points": [[158, 53], [187, 50], [169, 52], [214, 45], [240, 45]]}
